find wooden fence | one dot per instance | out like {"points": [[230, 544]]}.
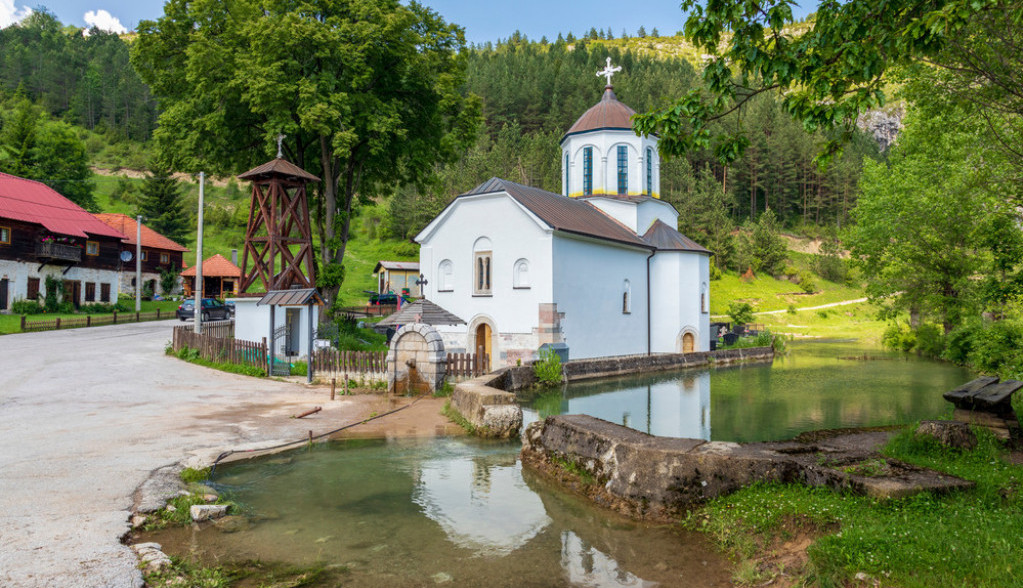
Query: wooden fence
{"points": [[334, 361], [467, 365], [219, 329], [92, 320], [221, 349]]}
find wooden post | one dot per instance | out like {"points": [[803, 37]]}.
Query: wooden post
{"points": [[22, 322], [137, 316], [265, 362], [88, 320], [157, 314], [115, 317], [333, 385], [58, 322]]}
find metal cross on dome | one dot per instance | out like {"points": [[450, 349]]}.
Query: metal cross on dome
{"points": [[280, 143], [609, 71]]}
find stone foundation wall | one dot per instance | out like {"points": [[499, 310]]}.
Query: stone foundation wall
{"points": [[603, 367], [490, 409]]}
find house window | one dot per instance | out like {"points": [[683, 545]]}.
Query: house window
{"points": [[623, 169], [145, 255], [92, 248], [5, 235], [481, 280], [445, 273], [626, 298], [165, 258], [587, 171], [568, 190], [33, 289], [520, 275], [104, 292], [649, 171], [90, 291]]}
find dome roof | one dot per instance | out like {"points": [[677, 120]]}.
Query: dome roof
{"points": [[609, 113]]}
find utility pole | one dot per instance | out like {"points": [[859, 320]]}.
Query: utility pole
{"points": [[138, 263], [198, 259]]}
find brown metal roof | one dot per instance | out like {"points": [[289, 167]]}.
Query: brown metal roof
{"points": [[296, 297], [409, 266], [428, 312], [278, 167], [562, 213], [609, 113], [664, 238]]}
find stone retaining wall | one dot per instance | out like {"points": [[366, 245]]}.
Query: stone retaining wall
{"points": [[583, 369], [490, 409]]}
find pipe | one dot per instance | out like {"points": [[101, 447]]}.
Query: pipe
{"points": [[648, 301]]}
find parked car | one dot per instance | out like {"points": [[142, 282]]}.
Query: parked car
{"points": [[390, 298], [212, 310]]}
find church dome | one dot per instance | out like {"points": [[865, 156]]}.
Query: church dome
{"points": [[609, 113]]}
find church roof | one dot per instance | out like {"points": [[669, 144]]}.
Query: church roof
{"points": [[562, 213], [609, 113], [278, 167], [664, 238], [428, 312]]}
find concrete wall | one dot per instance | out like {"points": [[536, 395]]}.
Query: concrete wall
{"points": [[18, 274], [252, 323]]}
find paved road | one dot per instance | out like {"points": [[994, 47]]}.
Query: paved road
{"points": [[87, 414]]}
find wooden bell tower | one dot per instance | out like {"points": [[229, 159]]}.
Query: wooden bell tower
{"points": [[279, 237]]}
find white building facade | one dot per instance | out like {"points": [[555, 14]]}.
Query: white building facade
{"points": [[605, 272]]}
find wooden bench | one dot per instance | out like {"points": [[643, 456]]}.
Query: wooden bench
{"points": [[986, 402]]}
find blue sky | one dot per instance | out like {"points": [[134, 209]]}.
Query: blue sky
{"points": [[483, 20]]}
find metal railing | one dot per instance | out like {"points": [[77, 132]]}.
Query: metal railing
{"points": [[58, 251]]}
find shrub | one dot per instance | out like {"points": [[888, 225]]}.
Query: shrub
{"points": [[547, 368], [806, 282], [898, 337], [53, 295], [741, 313], [406, 249], [791, 309], [930, 340], [829, 265], [996, 347], [26, 307]]}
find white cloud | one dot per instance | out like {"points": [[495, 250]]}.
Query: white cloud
{"points": [[102, 20], [11, 14]]}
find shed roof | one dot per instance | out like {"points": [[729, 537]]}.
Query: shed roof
{"points": [[428, 312], [150, 238], [408, 266], [609, 113], [294, 297], [664, 238], [562, 213], [278, 167], [215, 266], [34, 202]]}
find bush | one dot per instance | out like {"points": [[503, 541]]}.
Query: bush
{"points": [[97, 308], [741, 313], [996, 348], [406, 249], [829, 265], [930, 340], [547, 368], [899, 337], [806, 282], [27, 307]]}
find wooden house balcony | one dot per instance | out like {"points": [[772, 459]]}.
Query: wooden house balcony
{"points": [[47, 252]]}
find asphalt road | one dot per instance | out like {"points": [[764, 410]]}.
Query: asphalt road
{"points": [[87, 414]]}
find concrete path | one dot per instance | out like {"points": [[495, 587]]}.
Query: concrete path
{"points": [[87, 414]]}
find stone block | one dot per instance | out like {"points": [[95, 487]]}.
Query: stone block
{"points": [[206, 512], [949, 433]]}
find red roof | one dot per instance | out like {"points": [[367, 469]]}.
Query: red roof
{"points": [[34, 202], [150, 238], [216, 266], [609, 113]]}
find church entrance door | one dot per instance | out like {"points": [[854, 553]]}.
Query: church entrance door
{"points": [[688, 343], [483, 346]]}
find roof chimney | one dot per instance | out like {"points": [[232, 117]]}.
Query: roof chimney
{"points": [[234, 256]]}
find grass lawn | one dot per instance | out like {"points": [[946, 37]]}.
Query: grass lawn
{"points": [[853, 321], [768, 293], [970, 538], [11, 323]]}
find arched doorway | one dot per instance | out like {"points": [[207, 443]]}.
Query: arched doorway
{"points": [[484, 346], [688, 343]]}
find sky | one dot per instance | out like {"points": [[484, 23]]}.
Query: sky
{"points": [[483, 20]]}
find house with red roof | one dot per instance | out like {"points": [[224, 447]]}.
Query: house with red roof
{"points": [[159, 253], [220, 277], [43, 234]]}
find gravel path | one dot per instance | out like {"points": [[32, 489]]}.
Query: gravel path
{"points": [[87, 414]]}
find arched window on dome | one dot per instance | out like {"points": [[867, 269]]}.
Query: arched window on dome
{"points": [[587, 171], [649, 171], [445, 276], [623, 169], [520, 275]]}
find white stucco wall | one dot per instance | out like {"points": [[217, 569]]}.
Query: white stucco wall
{"points": [[252, 323], [605, 162], [649, 211], [514, 234], [677, 279], [18, 274], [588, 282]]}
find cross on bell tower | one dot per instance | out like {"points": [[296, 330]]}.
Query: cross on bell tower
{"points": [[609, 71]]}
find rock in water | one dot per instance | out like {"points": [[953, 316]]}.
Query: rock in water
{"points": [[205, 512], [949, 433]]}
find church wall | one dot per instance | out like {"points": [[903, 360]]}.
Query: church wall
{"points": [[650, 211], [605, 162], [588, 286], [688, 274], [623, 212]]}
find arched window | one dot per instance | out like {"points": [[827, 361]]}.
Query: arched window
{"points": [[649, 171], [626, 298], [568, 190], [520, 274], [704, 298], [445, 276], [482, 262], [623, 169], [587, 171]]}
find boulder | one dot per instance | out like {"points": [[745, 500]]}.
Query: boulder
{"points": [[949, 433], [206, 512], [153, 559]]}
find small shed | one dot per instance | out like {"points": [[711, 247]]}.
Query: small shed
{"points": [[220, 277], [399, 277], [286, 319]]}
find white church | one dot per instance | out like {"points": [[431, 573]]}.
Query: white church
{"points": [[599, 268]]}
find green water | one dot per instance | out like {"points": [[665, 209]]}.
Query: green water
{"points": [[455, 512], [814, 386]]}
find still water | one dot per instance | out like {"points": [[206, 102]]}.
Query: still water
{"points": [[814, 386], [463, 512]]}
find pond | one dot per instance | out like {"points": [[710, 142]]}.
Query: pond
{"points": [[463, 512], [819, 385]]}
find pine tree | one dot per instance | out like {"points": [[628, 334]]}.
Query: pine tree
{"points": [[655, 33], [161, 207], [641, 33]]}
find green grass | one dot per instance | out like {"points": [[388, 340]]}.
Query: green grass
{"points": [[11, 323], [456, 417], [968, 538], [192, 356], [768, 293], [852, 321]]}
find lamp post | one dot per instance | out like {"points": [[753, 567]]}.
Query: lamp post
{"points": [[138, 263], [198, 259]]}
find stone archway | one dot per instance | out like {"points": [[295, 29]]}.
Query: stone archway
{"points": [[416, 360], [687, 340]]}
